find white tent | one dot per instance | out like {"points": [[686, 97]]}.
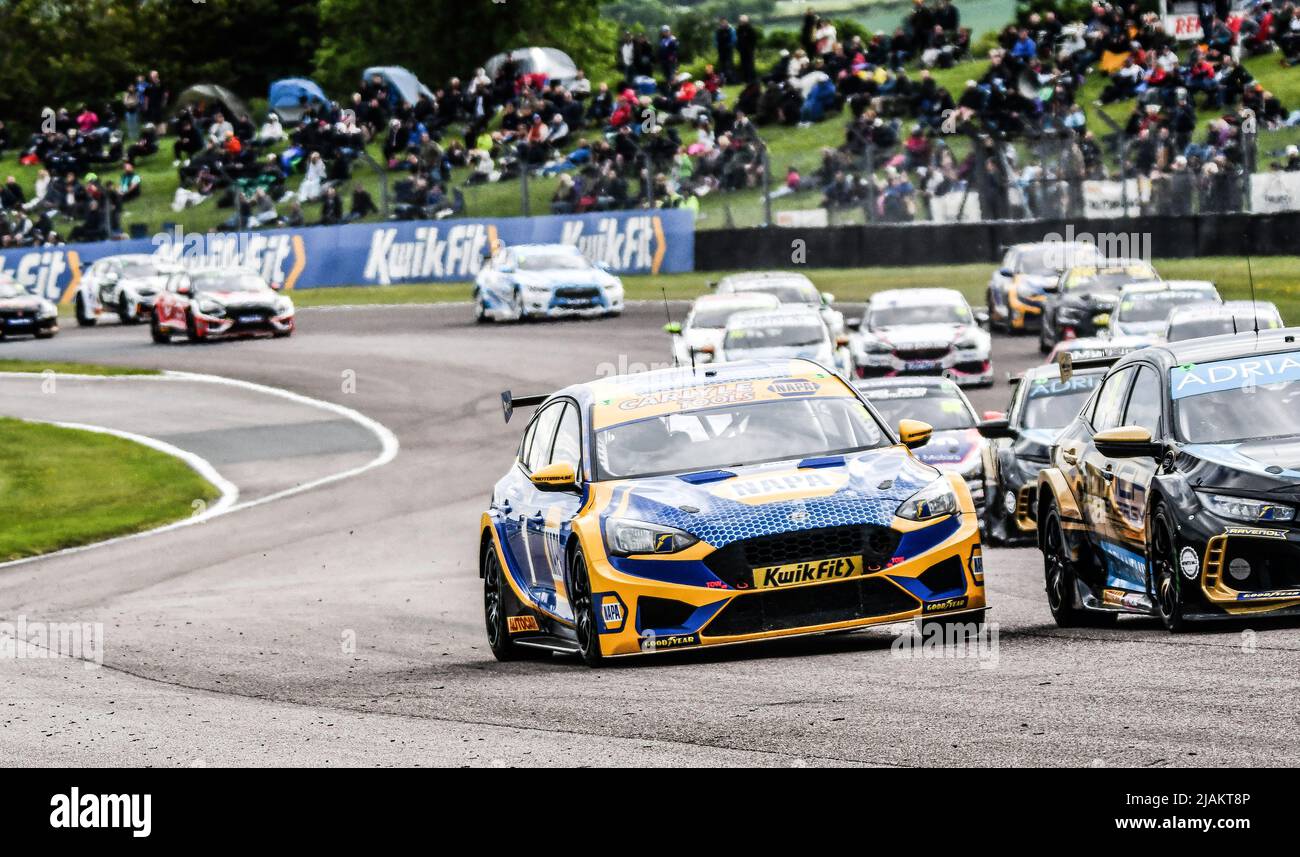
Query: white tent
{"points": [[555, 64], [404, 83]]}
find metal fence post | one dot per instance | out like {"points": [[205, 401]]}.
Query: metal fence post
{"points": [[767, 185], [524, 201]]}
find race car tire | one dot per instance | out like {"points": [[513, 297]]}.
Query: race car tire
{"points": [[124, 313], [160, 334], [1059, 577], [480, 310], [1165, 580], [84, 318], [44, 334], [517, 312], [281, 334], [994, 324], [191, 327], [1044, 347], [494, 611], [584, 610]]}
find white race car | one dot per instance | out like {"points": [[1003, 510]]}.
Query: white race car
{"points": [[698, 338], [785, 332], [544, 281], [789, 288], [1144, 308], [923, 332], [125, 286], [1194, 321]]}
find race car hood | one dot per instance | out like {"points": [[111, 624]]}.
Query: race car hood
{"points": [[953, 450], [551, 279], [24, 303], [920, 336], [145, 285], [241, 299], [1259, 466], [723, 506], [1146, 329], [699, 337]]}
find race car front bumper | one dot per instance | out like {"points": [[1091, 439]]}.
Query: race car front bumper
{"points": [[967, 368], [1240, 569], [936, 570], [243, 323], [1024, 309], [28, 323]]}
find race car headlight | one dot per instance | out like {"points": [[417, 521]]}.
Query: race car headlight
{"points": [[211, 308], [875, 346], [625, 538], [935, 500], [283, 306], [47, 310], [970, 340], [1243, 509]]}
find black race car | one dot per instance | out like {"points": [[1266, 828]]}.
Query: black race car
{"points": [[1082, 299], [1019, 445], [1175, 491]]}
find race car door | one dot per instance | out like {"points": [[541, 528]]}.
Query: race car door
{"points": [[1127, 491], [1096, 471], [548, 515]]}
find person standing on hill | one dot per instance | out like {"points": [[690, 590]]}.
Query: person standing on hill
{"points": [[747, 46]]}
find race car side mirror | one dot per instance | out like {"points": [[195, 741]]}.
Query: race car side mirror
{"points": [[982, 318], [993, 415], [673, 327], [703, 349], [183, 289], [1051, 288], [913, 433], [1006, 272], [996, 429], [559, 476], [828, 298], [1127, 442], [854, 323]]}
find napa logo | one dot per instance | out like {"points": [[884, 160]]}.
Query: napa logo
{"points": [[630, 244], [454, 253], [794, 387], [783, 486], [42, 271]]}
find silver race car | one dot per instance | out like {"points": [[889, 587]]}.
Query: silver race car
{"points": [[544, 281]]}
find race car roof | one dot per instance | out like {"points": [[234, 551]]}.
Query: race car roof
{"points": [[733, 280], [1212, 348], [910, 381], [1144, 287], [739, 299], [623, 398], [782, 314], [1239, 309], [916, 297]]}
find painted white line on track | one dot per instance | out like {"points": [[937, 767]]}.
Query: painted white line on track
{"points": [[388, 442], [226, 503]]}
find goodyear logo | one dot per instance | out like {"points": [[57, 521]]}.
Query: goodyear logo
{"points": [[654, 642], [803, 573], [521, 624], [792, 387], [945, 605]]}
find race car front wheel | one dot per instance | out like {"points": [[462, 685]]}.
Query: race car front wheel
{"points": [[1044, 346], [191, 327], [160, 334], [125, 311], [1164, 573], [84, 318], [480, 310], [584, 610]]}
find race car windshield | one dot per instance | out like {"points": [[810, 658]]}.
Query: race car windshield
{"points": [[1053, 403], [901, 316], [786, 293], [1045, 261], [555, 262], [776, 336], [230, 283], [1156, 306], [715, 317], [140, 269], [942, 410], [735, 435], [1233, 401]]}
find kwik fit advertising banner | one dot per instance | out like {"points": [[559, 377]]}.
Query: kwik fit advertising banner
{"points": [[379, 254]]}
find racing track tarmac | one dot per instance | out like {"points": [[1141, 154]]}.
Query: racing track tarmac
{"points": [[225, 641]]}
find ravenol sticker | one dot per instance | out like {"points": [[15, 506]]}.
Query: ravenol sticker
{"points": [[791, 387], [1194, 380], [1255, 532], [521, 624], [802, 573]]}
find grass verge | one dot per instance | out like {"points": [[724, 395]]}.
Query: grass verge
{"points": [[36, 367], [62, 488]]}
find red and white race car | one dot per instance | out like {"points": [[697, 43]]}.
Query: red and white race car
{"points": [[220, 303]]}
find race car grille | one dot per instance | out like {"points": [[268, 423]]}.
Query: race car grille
{"points": [[580, 292], [1259, 565], [921, 353], [735, 563], [809, 606], [944, 577], [661, 613]]}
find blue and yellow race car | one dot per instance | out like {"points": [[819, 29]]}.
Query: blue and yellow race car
{"points": [[723, 504]]}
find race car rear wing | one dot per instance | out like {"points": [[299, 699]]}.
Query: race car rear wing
{"points": [[509, 403]]}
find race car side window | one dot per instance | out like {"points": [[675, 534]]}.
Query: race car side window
{"points": [[1144, 403], [539, 451], [568, 439], [1110, 401], [527, 441]]}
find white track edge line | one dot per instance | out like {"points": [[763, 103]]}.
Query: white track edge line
{"points": [[201, 466]]}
